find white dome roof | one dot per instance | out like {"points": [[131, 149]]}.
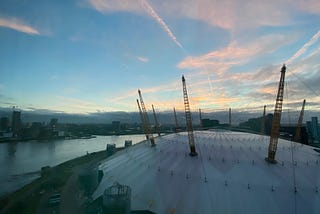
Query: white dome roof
{"points": [[229, 175]]}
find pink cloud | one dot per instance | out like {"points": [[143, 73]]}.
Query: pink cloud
{"points": [[107, 6], [233, 15], [211, 79], [17, 25], [217, 62]]}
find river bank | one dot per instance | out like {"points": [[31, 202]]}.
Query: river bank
{"points": [[45, 139], [19, 161], [53, 180]]}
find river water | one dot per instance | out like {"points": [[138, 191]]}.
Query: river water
{"points": [[20, 162]]}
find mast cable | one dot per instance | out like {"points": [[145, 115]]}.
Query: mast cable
{"points": [[292, 155]]}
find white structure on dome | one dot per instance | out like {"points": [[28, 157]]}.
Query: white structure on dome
{"points": [[229, 175]]}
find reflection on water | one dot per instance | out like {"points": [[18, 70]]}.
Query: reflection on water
{"points": [[12, 148], [20, 158], [52, 147]]}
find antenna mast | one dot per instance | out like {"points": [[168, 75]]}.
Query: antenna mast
{"points": [[188, 119], [276, 119]]}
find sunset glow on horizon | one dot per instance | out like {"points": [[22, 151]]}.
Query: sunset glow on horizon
{"points": [[87, 56]]}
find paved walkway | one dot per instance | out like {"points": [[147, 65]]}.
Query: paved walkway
{"points": [[70, 195]]}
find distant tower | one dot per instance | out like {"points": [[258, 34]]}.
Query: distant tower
{"points": [[297, 137], [188, 119], [146, 120], [16, 122], [176, 120], [263, 121], [53, 124], [156, 124], [229, 117], [116, 126], [276, 119], [315, 128], [4, 123], [200, 118]]}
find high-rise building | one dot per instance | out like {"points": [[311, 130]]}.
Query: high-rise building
{"points": [[309, 131], [54, 123], [116, 126], [4, 123], [16, 123], [315, 128]]}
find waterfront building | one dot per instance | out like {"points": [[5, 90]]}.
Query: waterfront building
{"points": [[116, 126], [4, 123], [16, 123], [315, 128]]}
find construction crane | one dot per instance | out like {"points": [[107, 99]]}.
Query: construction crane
{"points": [[263, 121], [176, 120], [142, 120], [156, 121], [297, 137], [188, 119], [200, 118], [146, 120], [276, 119]]}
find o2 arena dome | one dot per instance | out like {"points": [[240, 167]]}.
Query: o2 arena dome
{"points": [[229, 175]]}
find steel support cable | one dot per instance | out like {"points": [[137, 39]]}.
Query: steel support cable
{"points": [[205, 175], [292, 155], [305, 84]]}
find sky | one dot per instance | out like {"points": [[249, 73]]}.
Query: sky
{"points": [[89, 56]]}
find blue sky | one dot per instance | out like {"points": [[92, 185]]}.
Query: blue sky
{"points": [[86, 56]]}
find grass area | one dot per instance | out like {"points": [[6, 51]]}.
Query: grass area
{"points": [[27, 198]]}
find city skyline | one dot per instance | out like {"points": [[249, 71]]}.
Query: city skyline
{"points": [[91, 56]]}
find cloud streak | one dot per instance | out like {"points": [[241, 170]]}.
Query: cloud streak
{"points": [[241, 88], [219, 61], [232, 15], [304, 48], [155, 16], [248, 88], [143, 59], [17, 25], [105, 6]]}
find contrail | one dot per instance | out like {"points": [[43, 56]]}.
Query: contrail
{"points": [[153, 14], [210, 83], [304, 47]]}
